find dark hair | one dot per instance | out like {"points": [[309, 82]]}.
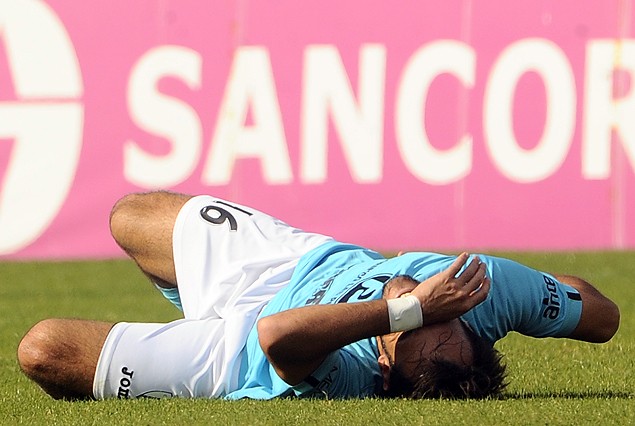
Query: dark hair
{"points": [[439, 378]]}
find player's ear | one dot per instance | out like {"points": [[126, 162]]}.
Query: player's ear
{"points": [[384, 366]]}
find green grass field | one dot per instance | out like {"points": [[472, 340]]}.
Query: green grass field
{"points": [[551, 381]]}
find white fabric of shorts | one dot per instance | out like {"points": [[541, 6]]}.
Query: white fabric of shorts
{"points": [[230, 261]]}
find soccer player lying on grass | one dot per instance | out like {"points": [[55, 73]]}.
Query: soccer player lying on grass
{"points": [[271, 311]]}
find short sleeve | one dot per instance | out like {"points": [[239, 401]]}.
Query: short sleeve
{"points": [[345, 373], [524, 300], [560, 310]]}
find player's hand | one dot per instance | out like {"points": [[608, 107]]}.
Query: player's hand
{"points": [[446, 295]]}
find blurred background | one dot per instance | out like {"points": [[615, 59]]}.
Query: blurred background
{"points": [[396, 125]]}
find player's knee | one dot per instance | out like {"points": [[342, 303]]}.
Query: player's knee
{"points": [[137, 219], [123, 215], [39, 349]]}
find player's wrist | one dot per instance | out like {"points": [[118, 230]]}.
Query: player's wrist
{"points": [[404, 313]]}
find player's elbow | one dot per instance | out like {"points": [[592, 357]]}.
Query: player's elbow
{"points": [[606, 324], [269, 336], [599, 322], [611, 322], [273, 339]]}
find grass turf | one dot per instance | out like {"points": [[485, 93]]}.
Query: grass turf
{"points": [[552, 381]]}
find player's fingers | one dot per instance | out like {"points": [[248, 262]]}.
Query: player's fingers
{"points": [[469, 272], [480, 293], [456, 266], [477, 278]]}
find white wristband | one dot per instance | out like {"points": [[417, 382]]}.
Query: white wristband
{"points": [[404, 313]]}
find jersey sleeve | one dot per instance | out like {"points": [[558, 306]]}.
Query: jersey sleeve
{"points": [[524, 300], [559, 312], [345, 373]]}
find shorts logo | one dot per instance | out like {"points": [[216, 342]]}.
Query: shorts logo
{"points": [[124, 383], [552, 303], [156, 394]]}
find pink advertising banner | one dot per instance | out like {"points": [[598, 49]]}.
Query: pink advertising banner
{"points": [[395, 125]]}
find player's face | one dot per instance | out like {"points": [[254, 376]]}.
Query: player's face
{"points": [[446, 340], [405, 350]]}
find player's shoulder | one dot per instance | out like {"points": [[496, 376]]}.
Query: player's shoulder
{"points": [[335, 253]]}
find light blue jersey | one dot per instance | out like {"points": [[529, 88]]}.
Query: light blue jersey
{"points": [[520, 299], [333, 273]]}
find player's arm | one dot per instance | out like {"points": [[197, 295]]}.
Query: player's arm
{"points": [[298, 340], [600, 317]]}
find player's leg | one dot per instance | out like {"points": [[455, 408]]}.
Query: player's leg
{"points": [[183, 358], [76, 359], [230, 257], [216, 250], [142, 225], [61, 355]]}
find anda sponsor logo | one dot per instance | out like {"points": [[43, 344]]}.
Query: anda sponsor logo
{"points": [[552, 302]]}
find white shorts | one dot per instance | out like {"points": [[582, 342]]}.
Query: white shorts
{"points": [[230, 261]]}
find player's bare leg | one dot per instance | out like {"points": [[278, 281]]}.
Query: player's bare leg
{"points": [[142, 225], [61, 356]]}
